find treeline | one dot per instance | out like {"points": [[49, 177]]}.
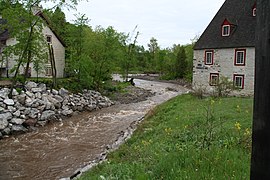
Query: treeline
{"points": [[93, 54]]}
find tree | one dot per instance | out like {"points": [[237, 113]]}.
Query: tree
{"points": [[153, 50], [181, 64]]}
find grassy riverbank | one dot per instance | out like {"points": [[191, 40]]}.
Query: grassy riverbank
{"points": [[186, 138]]}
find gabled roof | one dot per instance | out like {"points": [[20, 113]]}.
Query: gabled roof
{"points": [[239, 13], [3, 32]]}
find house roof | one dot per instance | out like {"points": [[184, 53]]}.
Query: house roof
{"points": [[239, 14], [3, 33]]}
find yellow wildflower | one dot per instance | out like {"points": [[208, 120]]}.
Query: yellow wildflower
{"points": [[237, 125]]}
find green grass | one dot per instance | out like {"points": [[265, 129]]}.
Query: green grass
{"points": [[186, 138]]}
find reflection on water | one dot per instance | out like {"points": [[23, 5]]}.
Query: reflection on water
{"points": [[60, 148]]}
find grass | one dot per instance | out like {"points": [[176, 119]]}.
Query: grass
{"points": [[186, 138]]}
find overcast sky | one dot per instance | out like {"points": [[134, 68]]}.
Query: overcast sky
{"points": [[169, 21]]}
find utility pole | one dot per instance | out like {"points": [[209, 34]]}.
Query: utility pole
{"points": [[260, 160]]}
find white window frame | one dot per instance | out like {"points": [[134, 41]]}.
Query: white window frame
{"points": [[49, 36], [242, 61], [254, 12], [224, 33], [242, 80], [212, 77], [209, 60]]}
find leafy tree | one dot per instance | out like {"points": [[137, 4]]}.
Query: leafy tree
{"points": [[181, 63], [153, 50]]}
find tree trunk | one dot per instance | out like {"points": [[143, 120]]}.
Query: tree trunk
{"points": [[260, 160]]}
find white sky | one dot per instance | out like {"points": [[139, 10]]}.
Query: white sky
{"points": [[169, 21]]}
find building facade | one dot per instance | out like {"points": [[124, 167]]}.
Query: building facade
{"points": [[227, 48]]}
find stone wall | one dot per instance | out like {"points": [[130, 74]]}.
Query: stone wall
{"points": [[224, 65], [36, 105]]}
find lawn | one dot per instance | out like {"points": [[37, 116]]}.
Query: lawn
{"points": [[186, 138]]}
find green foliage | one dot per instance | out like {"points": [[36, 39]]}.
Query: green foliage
{"points": [[223, 87], [186, 138]]}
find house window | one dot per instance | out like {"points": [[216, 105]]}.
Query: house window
{"points": [[254, 12], [214, 78], [209, 57], [48, 71], [240, 57], [226, 30], [49, 39], [238, 81]]}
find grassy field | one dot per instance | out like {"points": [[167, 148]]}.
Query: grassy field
{"points": [[186, 138]]}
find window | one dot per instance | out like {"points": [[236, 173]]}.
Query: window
{"points": [[209, 57], [214, 78], [238, 81], [226, 30], [49, 39], [240, 57], [48, 71]]}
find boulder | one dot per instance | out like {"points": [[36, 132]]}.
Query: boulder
{"points": [[15, 129], [3, 124], [21, 98], [9, 102], [30, 122], [63, 92], [4, 93], [17, 121], [6, 131], [33, 113], [67, 112], [6, 116], [46, 115], [35, 90], [29, 85], [54, 92], [42, 86], [17, 113]]}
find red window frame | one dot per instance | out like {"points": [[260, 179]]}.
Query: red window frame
{"points": [[212, 57], [244, 51], [211, 82], [242, 83]]}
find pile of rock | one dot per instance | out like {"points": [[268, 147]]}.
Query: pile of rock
{"points": [[36, 105]]}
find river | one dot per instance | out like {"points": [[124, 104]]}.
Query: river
{"points": [[60, 148]]}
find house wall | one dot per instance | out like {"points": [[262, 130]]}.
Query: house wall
{"points": [[224, 65]]}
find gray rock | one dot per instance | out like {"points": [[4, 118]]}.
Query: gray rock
{"points": [[27, 111], [15, 92], [29, 85], [6, 116], [17, 121], [6, 131], [9, 102], [3, 124], [33, 113], [11, 108], [63, 92], [55, 102], [46, 115], [58, 98], [1, 135], [4, 93], [67, 112], [54, 92], [38, 95], [17, 113], [18, 129], [42, 86], [21, 98], [29, 94], [35, 90], [1, 109]]}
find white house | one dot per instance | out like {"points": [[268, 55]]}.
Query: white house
{"points": [[227, 48], [50, 36]]}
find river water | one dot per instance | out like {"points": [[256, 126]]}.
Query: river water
{"points": [[60, 148]]}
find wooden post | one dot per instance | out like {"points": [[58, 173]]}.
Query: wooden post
{"points": [[260, 160]]}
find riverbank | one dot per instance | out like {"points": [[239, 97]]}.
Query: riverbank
{"points": [[177, 140]]}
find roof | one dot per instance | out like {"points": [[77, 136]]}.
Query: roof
{"points": [[3, 33], [238, 13]]}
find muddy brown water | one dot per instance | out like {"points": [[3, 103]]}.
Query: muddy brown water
{"points": [[59, 149]]}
